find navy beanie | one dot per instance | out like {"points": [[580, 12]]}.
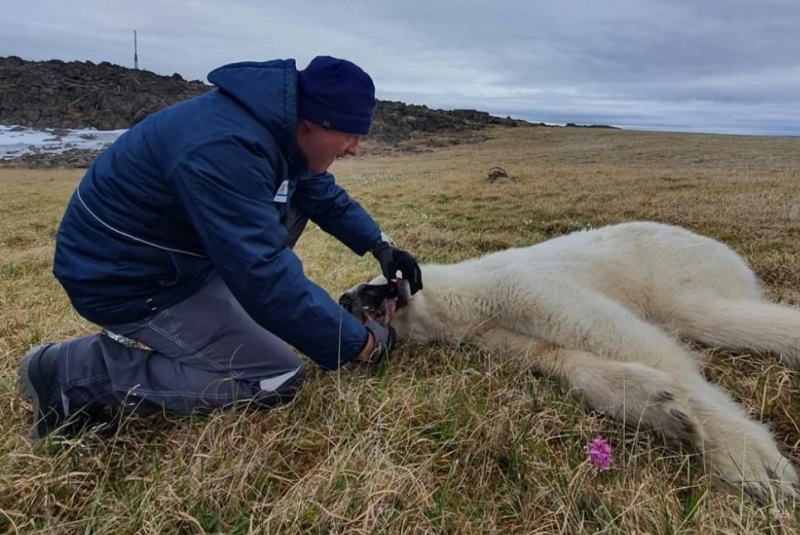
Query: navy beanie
{"points": [[336, 94]]}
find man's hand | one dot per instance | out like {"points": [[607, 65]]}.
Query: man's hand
{"points": [[380, 343], [393, 260]]}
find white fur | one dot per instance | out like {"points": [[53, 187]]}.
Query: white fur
{"points": [[604, 309]]}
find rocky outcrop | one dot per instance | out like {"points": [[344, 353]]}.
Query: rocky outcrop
{"points": [[82, 94], [396, 121], [73, 158]]}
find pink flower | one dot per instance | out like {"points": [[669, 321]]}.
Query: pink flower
{"points": [[600, 453]]}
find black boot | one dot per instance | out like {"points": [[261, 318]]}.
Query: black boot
{"points": [[38, 383]]}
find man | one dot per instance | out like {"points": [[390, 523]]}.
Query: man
{"points": [[178, 243]]}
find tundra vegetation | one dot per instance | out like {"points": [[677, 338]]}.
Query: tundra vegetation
{"points": [[441, 439]]}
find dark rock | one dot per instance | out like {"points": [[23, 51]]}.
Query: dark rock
{"points": [[74, 158], [46, 94], [76, 94]]}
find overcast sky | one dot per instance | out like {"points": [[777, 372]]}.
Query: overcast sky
{"points": [[720, 66]]}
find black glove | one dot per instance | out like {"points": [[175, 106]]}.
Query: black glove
{"points": [[384, 338], [393, 260]]}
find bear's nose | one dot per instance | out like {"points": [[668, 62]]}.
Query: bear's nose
{"points": [[346, 301]]}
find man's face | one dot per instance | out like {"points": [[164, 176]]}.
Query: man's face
{"points": [[322, 146]]}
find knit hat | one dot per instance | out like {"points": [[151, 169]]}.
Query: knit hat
{"points": [[336, 94]]}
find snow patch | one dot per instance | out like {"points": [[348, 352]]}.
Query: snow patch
{"points": [[16, 141]]}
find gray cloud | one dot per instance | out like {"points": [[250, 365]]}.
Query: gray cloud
{"points": [[729, 66]]}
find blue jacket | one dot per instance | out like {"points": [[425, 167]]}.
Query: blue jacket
{"points": [[193, 190]]}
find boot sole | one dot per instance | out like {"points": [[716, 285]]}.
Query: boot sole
{"points": [[28, 391]]}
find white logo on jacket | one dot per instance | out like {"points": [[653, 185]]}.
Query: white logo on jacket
{"points": [[283, 192]]}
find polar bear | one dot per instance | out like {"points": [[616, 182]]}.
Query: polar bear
{"points": [[604, 310]]}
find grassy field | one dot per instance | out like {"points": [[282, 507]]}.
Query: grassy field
{"points": [[440, 440]]}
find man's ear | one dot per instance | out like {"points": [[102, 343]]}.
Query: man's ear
{"points": [[308, 126], [303, 125]]}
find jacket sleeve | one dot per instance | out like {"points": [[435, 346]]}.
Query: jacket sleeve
{"points": [[227, 193], [330, 207]]}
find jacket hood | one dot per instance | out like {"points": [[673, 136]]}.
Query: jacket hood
{"points": [[268, 90]]}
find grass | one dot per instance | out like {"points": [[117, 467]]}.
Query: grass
{"points": [[443, 439]]}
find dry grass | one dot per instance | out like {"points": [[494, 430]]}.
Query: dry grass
{"points": [[442, 440]]}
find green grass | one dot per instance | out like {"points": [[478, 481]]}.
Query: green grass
{"points": [[443, 439]]}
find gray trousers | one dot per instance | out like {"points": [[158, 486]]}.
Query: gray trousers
{"points": [[204, 353]]}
